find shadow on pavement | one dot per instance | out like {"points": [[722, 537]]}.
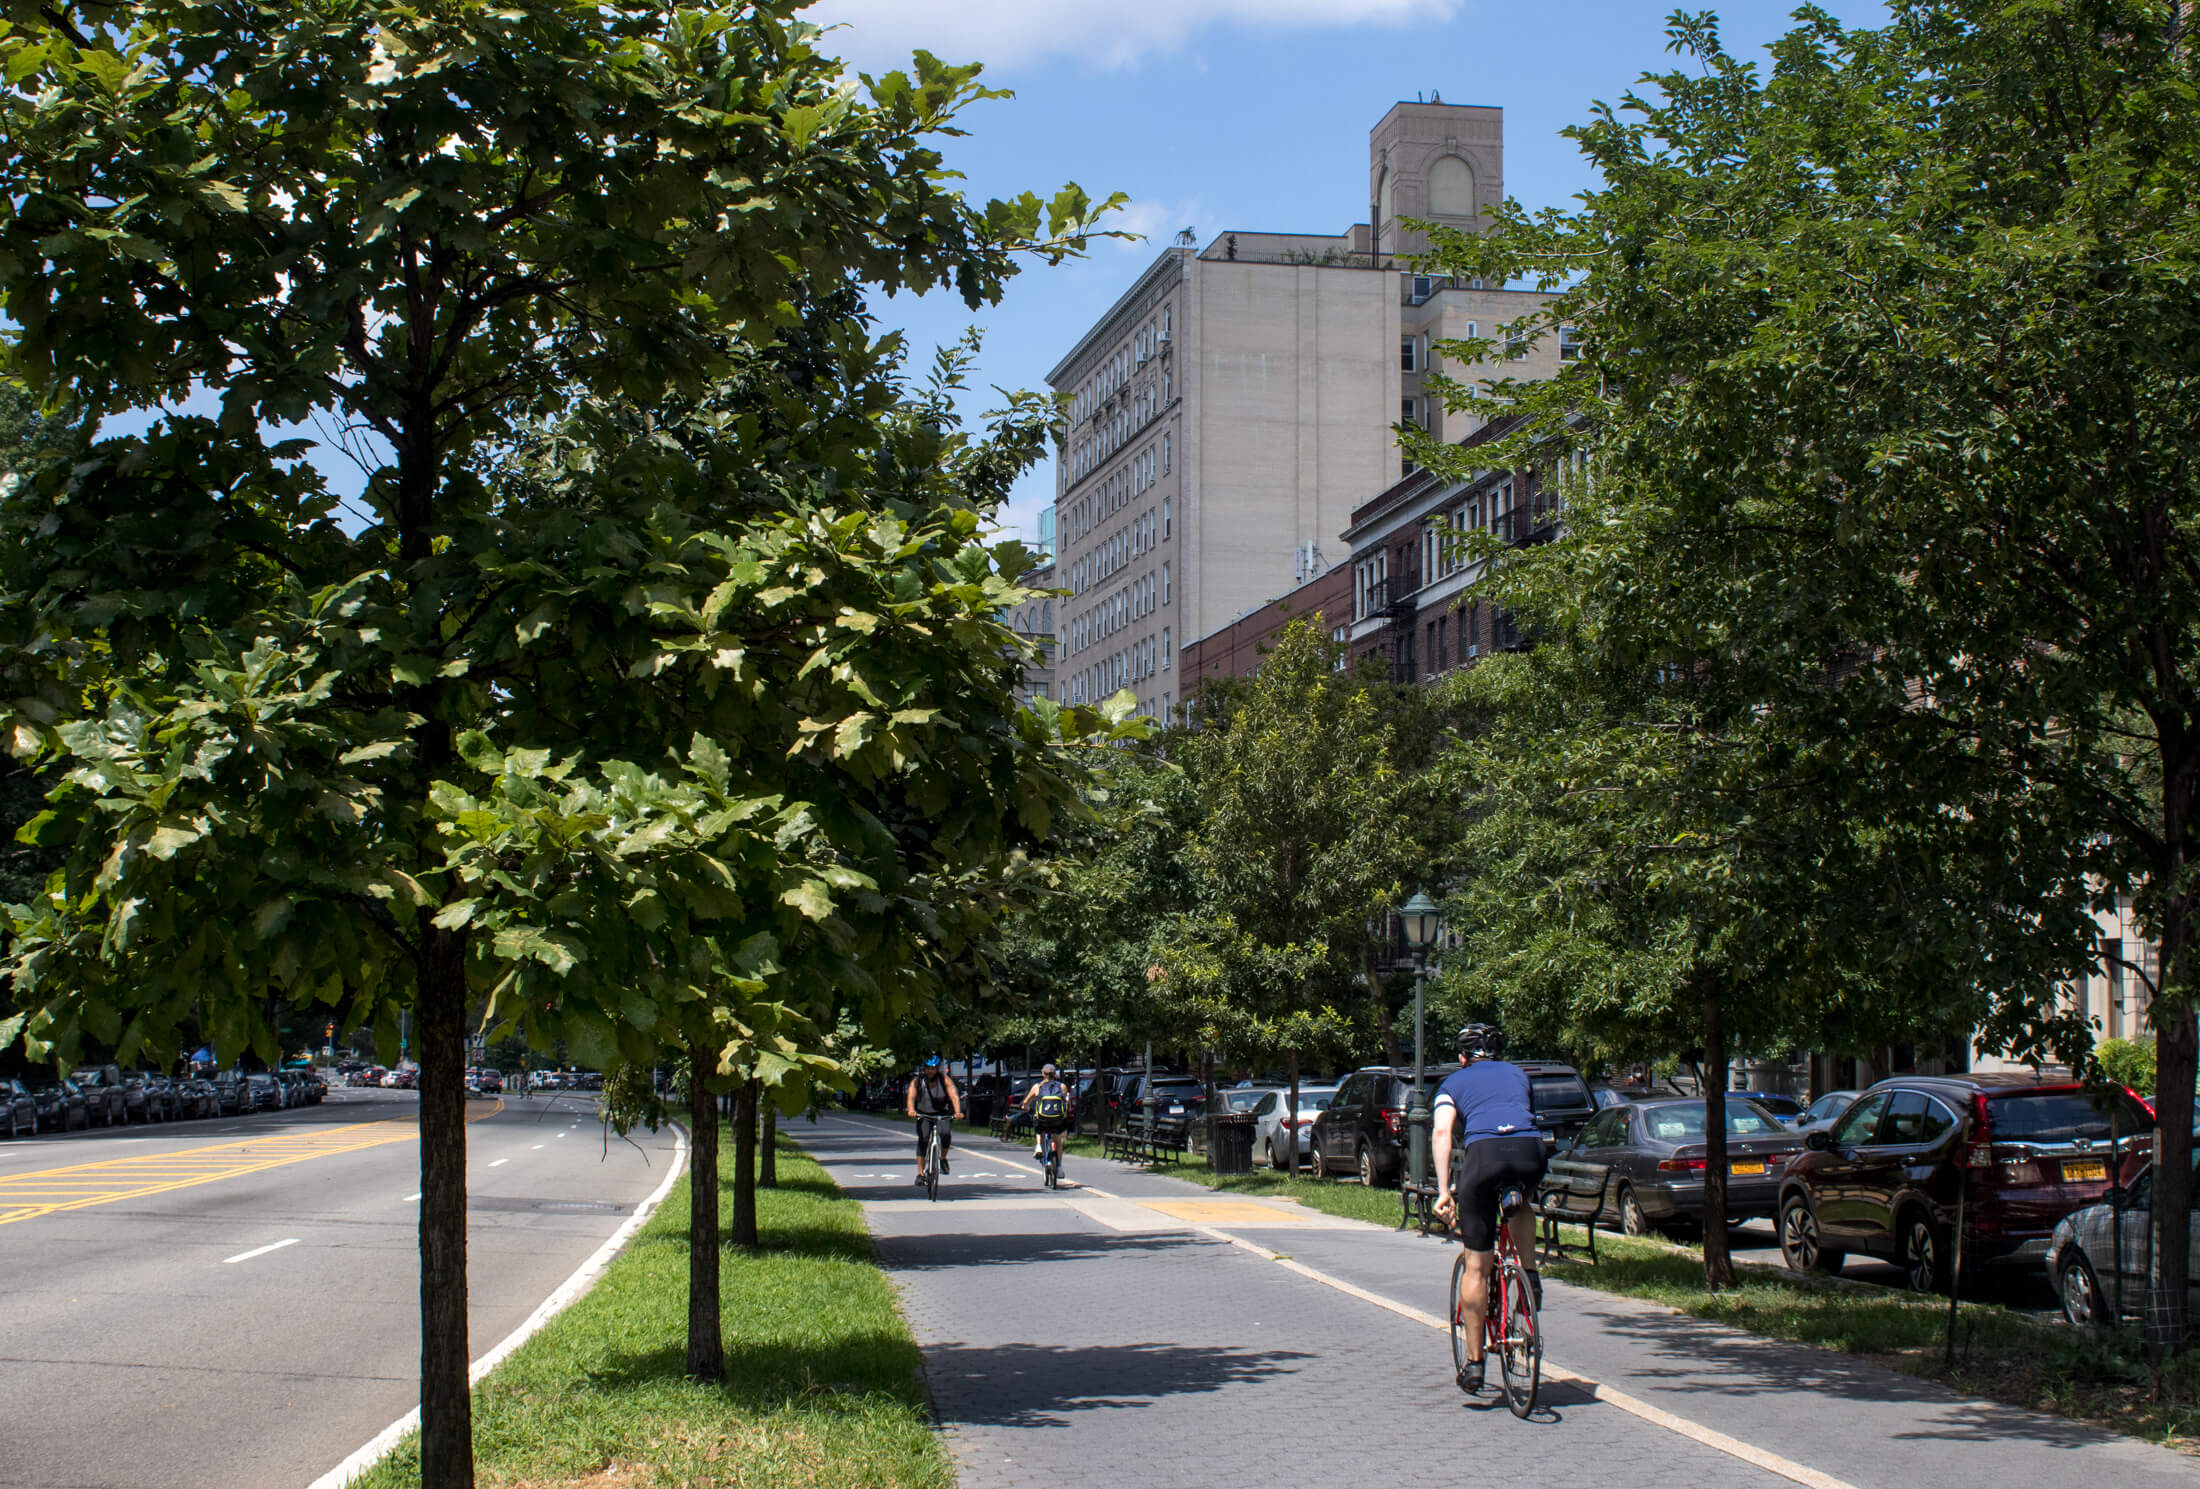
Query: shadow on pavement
{"points": [[950, 1251], [1709, 1359], [1041, 1385]]}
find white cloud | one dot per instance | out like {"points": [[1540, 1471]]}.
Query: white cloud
{"points": [[1108, 33]]}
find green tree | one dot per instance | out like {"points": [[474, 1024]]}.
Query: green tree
{"points": [[1293, 855], [321, 751], [1884, 366]]}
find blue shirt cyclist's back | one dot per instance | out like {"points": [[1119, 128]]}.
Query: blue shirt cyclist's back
{"points": [[1491, 1097]]}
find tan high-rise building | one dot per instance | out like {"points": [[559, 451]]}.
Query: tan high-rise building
{"points": [[1239, 400]]}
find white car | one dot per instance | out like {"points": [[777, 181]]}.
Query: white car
{"points": [[1268, 1123]]}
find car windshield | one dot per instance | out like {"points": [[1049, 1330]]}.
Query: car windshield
{"points": [[1316, 1101], [1830, 1104], [1241, 1101], [1557, 1092], [1682, 1122], [2062, 1117]]}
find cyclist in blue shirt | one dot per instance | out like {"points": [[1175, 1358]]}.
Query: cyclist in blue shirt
{"points": [[1483, 1105]]}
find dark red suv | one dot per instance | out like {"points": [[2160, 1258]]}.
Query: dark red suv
{"points": [[2017, 1152]]}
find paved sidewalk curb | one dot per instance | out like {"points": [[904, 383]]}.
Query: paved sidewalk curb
{"points": [[569, 1292]]}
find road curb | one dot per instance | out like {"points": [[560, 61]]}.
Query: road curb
{"points": [[570, 1291]]}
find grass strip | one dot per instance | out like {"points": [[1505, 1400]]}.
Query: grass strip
{"points": [[823, 1385], [2096, 1376]]}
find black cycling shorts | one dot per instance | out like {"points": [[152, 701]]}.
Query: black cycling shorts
{"points": [[1489, 1166]]}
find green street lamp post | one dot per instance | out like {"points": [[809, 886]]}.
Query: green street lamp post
{"points": [[1422, 923]]}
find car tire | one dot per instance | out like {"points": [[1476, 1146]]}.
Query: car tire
{"points": [[1922, 1253], [1801, 1245], [1313, 1166], [1369, 1179], [2079, 1291], [1632, 1222]]}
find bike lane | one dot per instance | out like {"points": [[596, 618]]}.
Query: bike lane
{"points": [[1081, 1337]]}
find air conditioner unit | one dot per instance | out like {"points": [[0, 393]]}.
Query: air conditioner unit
{"points": [[1142, 361], [1161, 339], [1474, 650]]}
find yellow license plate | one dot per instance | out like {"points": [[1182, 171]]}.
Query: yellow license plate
{"points": [[2074, 1171], [1748, 1168]]}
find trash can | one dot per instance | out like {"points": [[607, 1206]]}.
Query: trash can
{"points": [[1230, 1143]]}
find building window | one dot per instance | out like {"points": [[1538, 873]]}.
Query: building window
{"points": [[1168, 319], [1165, 462], [1409, 412], [1569, 344], [1409, 354], [1167, 648], [1164, 584]]}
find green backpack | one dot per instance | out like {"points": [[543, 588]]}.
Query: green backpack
{"points": [[1052, 1107]]}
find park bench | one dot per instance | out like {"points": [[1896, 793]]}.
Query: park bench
{"points": [[1130, 1144], [1561, 1200]]}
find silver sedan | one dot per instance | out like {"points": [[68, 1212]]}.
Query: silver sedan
{"points": [[1269, 1114]]}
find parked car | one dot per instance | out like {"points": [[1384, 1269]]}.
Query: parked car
{"points": [[233, 1093], [196, 1097], [1363, 1129], [62, 1106], [2019, 1152], [104, 1094], [1240, 1100], [267, 1092], [492, 1081], [2099, 1257], [159, 1096], [1273, 1118], [1640, 1166], [1825, 1109], [18, 1107], [1781, 1105], [1561, 1100]]}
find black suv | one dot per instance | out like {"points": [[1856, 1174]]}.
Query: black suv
{"points": [[1363, 1130]]}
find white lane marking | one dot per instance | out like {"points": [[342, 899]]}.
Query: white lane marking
{"points": [[537, 1148], [561, 1134], [498, 1162], [408, 1199], [584, 1277], [245, 1256]]}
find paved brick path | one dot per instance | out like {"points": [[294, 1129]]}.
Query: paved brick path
{"points": [[1123, 1339]]}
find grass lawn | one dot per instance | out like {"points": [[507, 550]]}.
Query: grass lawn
{"points": [[822, 1380], [2000, 1354]]}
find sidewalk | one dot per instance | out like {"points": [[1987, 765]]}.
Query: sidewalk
{"points": [[1143, 1334]]}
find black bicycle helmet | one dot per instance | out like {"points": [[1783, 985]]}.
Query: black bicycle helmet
{"points": [[1482, 1041]]}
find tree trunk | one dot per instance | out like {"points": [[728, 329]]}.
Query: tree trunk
{"points": [[744, 1164], [1718, 1266], [1384, 1021], [2176, 1045], [706, 1351], [767, 1152], [446, 1406]]}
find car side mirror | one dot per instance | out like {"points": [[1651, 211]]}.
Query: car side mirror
{"points": [[1818, 1140]]}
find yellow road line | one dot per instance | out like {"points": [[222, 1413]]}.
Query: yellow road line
{"points": [[80, 1186]]}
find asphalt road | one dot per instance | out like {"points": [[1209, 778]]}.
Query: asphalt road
{"points": [[232, 1303]]}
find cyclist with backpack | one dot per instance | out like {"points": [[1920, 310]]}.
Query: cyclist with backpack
{"points": [[1484, 1106], [932, 1100], [1050, 1104]]}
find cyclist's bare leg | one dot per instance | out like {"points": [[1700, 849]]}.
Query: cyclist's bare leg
{"points": [[1474, 1293], [1523, 1229]]}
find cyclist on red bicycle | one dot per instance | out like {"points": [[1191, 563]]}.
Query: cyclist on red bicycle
{"points": [[1050, 1103], [1483, 1105]]}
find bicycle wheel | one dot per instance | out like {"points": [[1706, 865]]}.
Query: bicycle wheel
{"points": [[1458, 1324], [1520, 1356], [932, 1165], [1054, 1163]]}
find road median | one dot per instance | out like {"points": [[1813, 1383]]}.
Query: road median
{"points": [[823, 1384]]}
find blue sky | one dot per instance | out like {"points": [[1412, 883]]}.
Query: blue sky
{"points": [[1253, 114]]}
